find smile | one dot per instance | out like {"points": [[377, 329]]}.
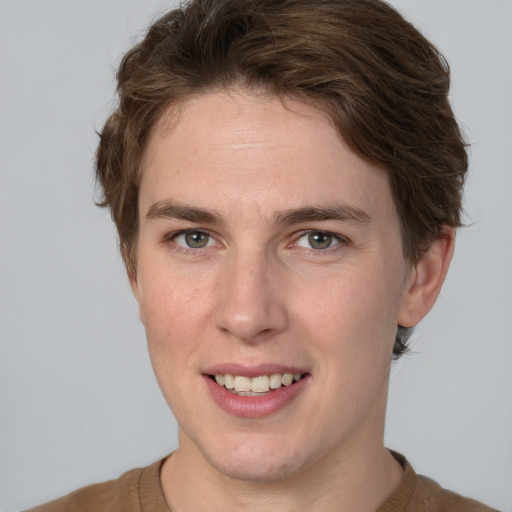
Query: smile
{"points": [[255, 392], [256, 386]]}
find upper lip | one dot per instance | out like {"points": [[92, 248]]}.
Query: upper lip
{"points": [[251, 371]]}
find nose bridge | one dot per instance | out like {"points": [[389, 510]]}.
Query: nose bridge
{"points": [[249, 304]]}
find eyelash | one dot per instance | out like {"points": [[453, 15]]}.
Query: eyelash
{"points": [[182, 248], [340, 239]]}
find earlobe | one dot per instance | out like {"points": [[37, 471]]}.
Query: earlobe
{"points": [[426, 279]]}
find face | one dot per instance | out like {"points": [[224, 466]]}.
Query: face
{"points": [[269, 259]]}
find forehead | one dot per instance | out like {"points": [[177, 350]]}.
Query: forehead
{"points": [[241, 122], [253, 150]]}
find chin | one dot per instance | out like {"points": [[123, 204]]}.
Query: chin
{"points": [[256, 462], [256, 469]]}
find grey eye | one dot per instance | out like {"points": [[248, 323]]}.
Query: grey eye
{"points": [[193, 239], [320, 240], [196, 239]]}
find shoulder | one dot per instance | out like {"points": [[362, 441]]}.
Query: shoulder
{"points": [[120, 495], [418, 493], [436, 499]]}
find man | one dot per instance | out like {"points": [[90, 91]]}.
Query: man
{"points": [[286, 181]]}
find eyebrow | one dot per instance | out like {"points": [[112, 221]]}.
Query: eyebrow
{"points": [[171, 210], [338, 212]]}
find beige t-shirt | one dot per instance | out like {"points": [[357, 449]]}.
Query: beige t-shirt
{"points": [[139, 490]]}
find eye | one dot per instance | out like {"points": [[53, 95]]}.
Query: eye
{"points": [[193, 239], [318, 240]]}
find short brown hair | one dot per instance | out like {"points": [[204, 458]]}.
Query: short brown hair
{"points": [[383, 85]]}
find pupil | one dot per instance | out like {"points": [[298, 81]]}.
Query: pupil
{"points": [[320, 240], [196, 239]]}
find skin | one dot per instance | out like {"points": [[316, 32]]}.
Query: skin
{"points": [[259, 293]]}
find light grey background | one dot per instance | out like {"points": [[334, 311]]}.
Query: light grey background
{"points": [[78, 401]]}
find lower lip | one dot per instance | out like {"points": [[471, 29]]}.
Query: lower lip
{"points": [[255, 406]]}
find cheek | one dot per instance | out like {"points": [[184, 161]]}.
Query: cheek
{"points": [[173, 309], [352, 306], [173, 326], [165, 294], [353, 327]]}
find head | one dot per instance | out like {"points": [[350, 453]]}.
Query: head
{"points": [[285, 178], [381, 84]]}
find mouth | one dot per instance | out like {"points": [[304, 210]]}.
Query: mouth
{"points": [[255, 392], [260, 385]]}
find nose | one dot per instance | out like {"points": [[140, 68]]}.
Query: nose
{"points": [[251, 305]]}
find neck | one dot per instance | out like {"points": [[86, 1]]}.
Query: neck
{"points": [[359, 478]]}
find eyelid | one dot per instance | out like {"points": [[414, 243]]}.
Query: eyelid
{"points": [[340, 239], [171, 237]]}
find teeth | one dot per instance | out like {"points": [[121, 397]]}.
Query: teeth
{"points": [[287, 379], [242, 383], [275, 380], [256, 385], [229, 381], [260, 384]]}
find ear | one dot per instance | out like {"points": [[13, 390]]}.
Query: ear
{"points": [[426, 279]]}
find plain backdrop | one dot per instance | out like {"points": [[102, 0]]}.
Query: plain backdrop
{"points": [[78, 400]]}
